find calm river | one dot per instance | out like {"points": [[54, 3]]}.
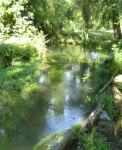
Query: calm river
{"points": [[59, 103]]}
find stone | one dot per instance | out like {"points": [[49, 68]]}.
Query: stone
{"points": [[118, 78], [104, 116]]}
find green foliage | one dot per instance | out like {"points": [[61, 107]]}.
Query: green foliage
{"points": [[50, 16], [92, 99], [10, 14], [110, 66], [8, 52], [24, 17], [117, 54], [108, 101], [13, 52], [39, 43], [21, 75], [119, 85], [105, 71], [27, 51], [85, 6], [17, 21], [106, 98], [91, 141]]}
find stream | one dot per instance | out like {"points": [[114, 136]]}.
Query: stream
{"points": [[58, 104]]}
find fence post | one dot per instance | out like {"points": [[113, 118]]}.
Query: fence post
{"points": [[99, 101], [100, 91]]}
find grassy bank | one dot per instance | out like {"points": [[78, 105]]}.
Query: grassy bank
{"points": [[96, 39]]}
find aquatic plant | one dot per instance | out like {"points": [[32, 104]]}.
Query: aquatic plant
{"points": [[20, 75]]}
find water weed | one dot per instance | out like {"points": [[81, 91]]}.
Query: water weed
{"points": [[20, 75]]}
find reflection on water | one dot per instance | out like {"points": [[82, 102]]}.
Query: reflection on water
{"points": [[43, 79], [59, 103], [95, 55]]}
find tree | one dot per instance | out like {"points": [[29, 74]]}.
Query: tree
{"points": [[16, 16], [115, 17], [110, 10], [86, 7], [10, 14], [49, 15]]}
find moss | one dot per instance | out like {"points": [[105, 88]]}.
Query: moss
{"points": [[49, 142]]}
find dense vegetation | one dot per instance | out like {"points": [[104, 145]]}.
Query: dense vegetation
{"points": [[93, 140], [26, 25]]}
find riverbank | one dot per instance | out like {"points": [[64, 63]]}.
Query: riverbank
{"points": [[117, 87], [61, 140], [109, 130], [101, 136], [97, 39]]}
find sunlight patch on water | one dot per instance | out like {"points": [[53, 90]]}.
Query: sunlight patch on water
{"points": [[95, 55], [69, 76]]}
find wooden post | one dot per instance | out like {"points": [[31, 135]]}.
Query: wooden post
{"points": [[100, 91], [99, 100]]}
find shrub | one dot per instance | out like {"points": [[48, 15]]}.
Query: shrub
{"points": [[27, 51], [39, 43], [106, 98], [108, 101], [105, 71], [8, 52], [91, 141]]}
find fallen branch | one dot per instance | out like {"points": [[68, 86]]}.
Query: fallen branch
{"points": [[90, 120]]}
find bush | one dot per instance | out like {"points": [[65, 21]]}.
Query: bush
{"points": [[27, 51], [105, 71], [8, 52], [16, 52], [91, 141], [106, 98], [39, 43], [108, 101]]}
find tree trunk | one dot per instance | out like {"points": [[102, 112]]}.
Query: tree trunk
{"points": [[86, 31], [117, 31], [86, 34], [116, 24]]}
